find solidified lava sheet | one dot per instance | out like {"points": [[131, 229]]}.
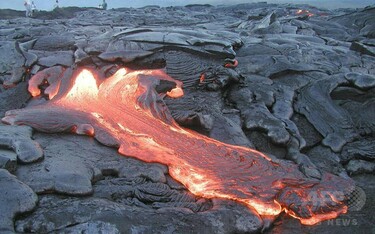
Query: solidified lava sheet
{"points": [[126, 111]]}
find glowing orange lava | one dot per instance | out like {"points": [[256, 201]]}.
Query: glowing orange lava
{"points": [[127, 108], [231, 65], [304, 12]]}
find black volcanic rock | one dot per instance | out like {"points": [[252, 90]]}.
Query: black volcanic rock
{"points": [[8, 160], [57, 13], [364, 22], [364, 149], [19, 140], [19, 97], [335, 124], [54, 43], [357, 166], [55, 214], [363, 49], [15, 198]]}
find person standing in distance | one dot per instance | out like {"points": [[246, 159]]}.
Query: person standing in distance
{"points": [[56, 4], [104, 5], [27, 5]]}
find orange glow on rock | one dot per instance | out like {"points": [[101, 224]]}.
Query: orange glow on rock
{"points": [[232, 65], [202, 78], [304, 12], [317, 218], [49, 76], [176, 92], [126, 108]]}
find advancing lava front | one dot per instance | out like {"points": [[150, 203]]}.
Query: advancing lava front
{"points": [[126, 111]]}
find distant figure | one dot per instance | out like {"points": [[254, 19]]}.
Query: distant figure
{"points": [[27, 5], [33, 8], [104, 5], [56, 4]]}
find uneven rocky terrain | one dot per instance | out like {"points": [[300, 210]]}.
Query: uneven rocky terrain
{"points": [[303, 91]]}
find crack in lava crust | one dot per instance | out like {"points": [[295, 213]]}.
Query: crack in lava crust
{"points": [[124, 110]]}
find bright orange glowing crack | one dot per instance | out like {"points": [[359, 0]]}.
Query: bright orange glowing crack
{"points": [[126, 109], [304, 12]]}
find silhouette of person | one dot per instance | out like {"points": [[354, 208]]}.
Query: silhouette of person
{"points": [[33, 7], [27, 5], [104, 5]]}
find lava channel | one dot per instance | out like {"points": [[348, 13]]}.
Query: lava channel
{"points": [[127, 112]]}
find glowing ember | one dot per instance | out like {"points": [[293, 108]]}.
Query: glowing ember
{"points": [[202, 78], [126, 109], [304, 12], [233, 64]]}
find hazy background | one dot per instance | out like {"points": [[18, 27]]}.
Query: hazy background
{"points": [[48, 4]]}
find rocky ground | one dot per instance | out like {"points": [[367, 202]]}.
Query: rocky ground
{"points": [[303, 90]]}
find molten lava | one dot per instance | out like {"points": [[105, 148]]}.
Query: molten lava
{"points": [[125, 110], [304, 12]]}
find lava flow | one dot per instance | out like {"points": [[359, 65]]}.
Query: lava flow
{"points": [[304, 12], [126, 111]]}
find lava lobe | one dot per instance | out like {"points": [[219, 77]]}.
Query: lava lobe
{"points": [[127, 112]]}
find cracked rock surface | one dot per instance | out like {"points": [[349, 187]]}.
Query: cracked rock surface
{"points": [[15, 198]]}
